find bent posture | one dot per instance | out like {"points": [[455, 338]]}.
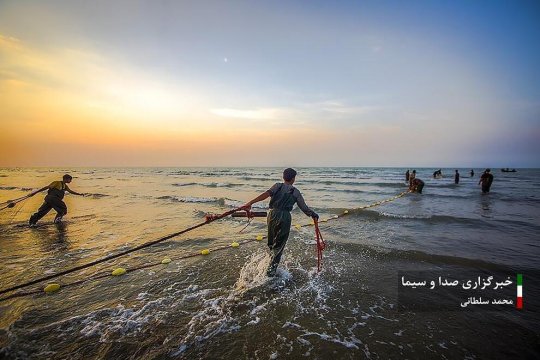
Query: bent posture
{"points": [[416, 186], [53, 200], [282, 198]]}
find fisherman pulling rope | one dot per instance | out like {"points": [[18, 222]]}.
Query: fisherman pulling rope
{"points": [[114, 256], [283, 196]]}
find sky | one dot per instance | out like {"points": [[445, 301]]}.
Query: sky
{"points": [[270, 83]]}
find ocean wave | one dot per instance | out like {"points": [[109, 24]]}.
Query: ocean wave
{"points": [[190, 199], [213, 200], [356, 183], [98, 195], [430, 219], [9, 188], [504, 224], [382, 253], [210, 185], [259, 178], [185, 184]]}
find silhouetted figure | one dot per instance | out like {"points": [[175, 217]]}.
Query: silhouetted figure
{"points": [[486, 180], [407, 175], [53, 200], [416, 186], [456, 177], [472, 172], [412, 177]]}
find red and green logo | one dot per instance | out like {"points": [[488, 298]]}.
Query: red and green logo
{"points": [[519, 303]]}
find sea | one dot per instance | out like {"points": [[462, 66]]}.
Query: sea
{"points": [[368, 300]]}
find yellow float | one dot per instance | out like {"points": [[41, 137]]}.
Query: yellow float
{"points": [[118, 272], [50, 288]]}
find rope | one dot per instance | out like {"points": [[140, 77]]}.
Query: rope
{"points": [[321, 245], [114, 256], [346, 212], [108, 274], [16, 212], [11, 203], [250, 217]]}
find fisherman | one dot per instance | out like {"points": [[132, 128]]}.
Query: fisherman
{"points": [[456, 177], [407, 175], [53, 200], [412, 177], [416, 186], [486, 180], [282, 198]]}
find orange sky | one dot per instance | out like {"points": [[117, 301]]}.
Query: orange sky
{"points": [[85, 84]]}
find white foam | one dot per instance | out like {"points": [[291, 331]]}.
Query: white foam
{"points": [[253, 273], [120, 320], [350, 343]]}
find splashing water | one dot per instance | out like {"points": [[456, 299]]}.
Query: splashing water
{"points": [[253, 273]]}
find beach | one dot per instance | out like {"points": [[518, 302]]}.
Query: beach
{"points": [[222, 305]]}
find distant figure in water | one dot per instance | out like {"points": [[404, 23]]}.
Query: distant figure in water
{"points": [[412, 177], [282, 198], [53, 200], [456, 177], [472, 172], [486, 180], [407, 175], [416, 186], [437, 173]]}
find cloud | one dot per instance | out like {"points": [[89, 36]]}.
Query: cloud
{"points": [[251, 114], [339, 107]]}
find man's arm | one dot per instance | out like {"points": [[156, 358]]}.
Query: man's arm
{"points": [[38, 191], [73, 192], [303, 206], [265, 195]]}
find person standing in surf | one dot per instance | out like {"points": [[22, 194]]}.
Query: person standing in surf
{"points": [[53, 200], [412, 176], [486, 180], [282, 198]]}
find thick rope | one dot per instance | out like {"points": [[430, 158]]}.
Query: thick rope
{"points": [[321, 245], [114, 256], [12, 203], [100, 275]]}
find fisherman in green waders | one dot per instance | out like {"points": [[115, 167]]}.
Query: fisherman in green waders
{"points": [[282, 198], [53, 200]]}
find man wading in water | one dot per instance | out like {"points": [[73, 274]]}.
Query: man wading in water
{"points": [[53, 200], [282, 198]]}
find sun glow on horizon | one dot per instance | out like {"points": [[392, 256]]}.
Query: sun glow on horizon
{"points": [[87, 84]]}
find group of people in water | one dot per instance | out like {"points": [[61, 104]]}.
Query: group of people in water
{"points": [[283, 196], [416, 185]]}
